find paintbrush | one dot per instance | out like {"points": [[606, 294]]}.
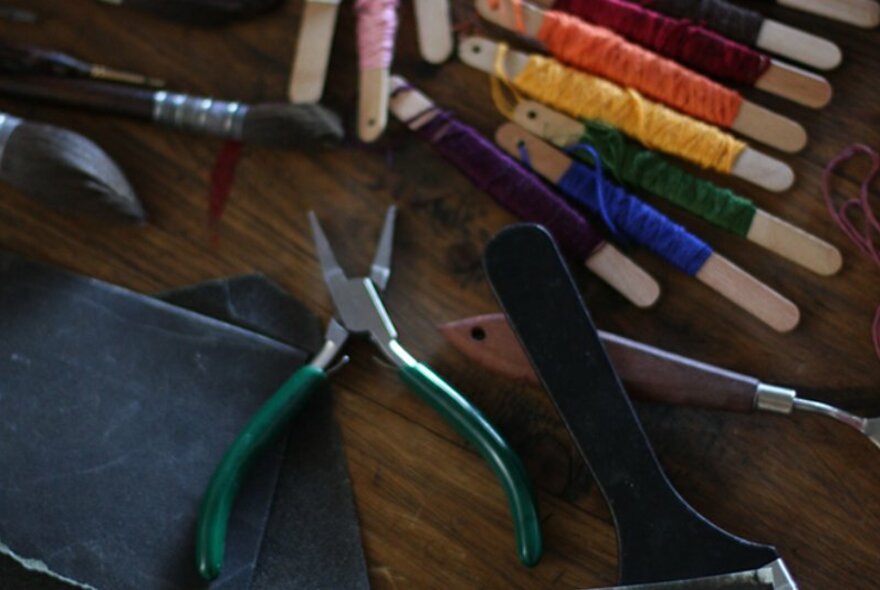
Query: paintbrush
{"points": [[282, 125], [200, 11], [30, 59], [63, 169]]}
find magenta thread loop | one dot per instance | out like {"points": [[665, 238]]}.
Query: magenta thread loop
{"points": [[865, 236]]}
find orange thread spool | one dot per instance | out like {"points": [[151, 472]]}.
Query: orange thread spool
{"points": [[606, 54]]}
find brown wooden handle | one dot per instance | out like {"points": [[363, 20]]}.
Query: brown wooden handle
{"points": [[649, 373], [98, 96], [655, 375]]}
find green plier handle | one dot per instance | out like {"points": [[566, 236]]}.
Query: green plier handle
{"points": [[261, 432], [470, 423], [272, 418]]}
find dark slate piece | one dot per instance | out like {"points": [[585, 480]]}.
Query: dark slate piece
{"points": [[255, 303], [313, 539], [114, 410]]}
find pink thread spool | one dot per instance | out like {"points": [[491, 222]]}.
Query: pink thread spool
{"points": [[376, 28]]}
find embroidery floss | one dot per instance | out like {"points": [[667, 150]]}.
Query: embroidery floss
{"points": [[511, 186], [634, 219], [734, 22], [680, 39], [604, 53], [865, 237], [584, 96], [376, 28], [632, 165]]}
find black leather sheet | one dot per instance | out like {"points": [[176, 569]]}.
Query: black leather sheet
{"points": [[114, 410]]}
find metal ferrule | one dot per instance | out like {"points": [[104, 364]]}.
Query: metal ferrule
{"points": [[199, 115], [398, 354], [334, 340], [8, 124], [770, 398]]}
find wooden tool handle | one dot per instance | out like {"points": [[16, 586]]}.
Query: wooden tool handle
{"points": [[652, 374], [99, 96]]}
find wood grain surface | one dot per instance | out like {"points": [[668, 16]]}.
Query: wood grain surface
{"points": [[433, 515]]}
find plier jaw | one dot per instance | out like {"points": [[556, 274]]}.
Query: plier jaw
{"points": [[359, 306]]}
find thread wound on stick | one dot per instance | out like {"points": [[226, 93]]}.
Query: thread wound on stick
{"points": [[732, 21], [635, 219], [376, 28], [680, 39], [602, 52], [653, 125], [512, 187], [635, 166]]}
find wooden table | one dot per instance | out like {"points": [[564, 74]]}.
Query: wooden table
{"points": [[433, 516]]}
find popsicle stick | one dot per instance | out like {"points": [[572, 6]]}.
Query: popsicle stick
{"points": [[861, 13], [769, 128], [798, 45], [751, 165], [766, 230], [799, 85], [608, 263], [313, 51], [752, 121], [373, 104], [624, 275], [434, 30], [795, 244], [717, 272], [749, 293]]}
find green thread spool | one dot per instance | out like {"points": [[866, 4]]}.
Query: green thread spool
{"points": [[644, 169]]}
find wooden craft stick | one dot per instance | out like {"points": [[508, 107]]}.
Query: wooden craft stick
{"points": [[768, 231], [798, 45], [717, 272], [434, 30], [795, 244], [313, 51], [752, 121], [373, 103], [751, 165], [610, 264], [861, 13]]}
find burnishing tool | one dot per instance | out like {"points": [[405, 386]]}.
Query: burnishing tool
{"points": [[650, 374], [663, 543], [360, 310]]}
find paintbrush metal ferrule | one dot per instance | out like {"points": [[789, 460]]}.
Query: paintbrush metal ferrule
{"points": [[200, 114], [101, 72], [8, 124]]}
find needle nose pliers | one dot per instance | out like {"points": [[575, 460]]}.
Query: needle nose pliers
{"points": [[360, 310]]}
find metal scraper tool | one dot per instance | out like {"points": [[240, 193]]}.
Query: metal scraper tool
{"points": [[663, 543]]}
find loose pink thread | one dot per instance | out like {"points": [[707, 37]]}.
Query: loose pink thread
{"points": [[864, 236], [376, 28]]}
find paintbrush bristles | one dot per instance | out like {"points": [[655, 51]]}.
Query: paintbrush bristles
{"points": [[201, 11], [67, 171], [294, 126]]}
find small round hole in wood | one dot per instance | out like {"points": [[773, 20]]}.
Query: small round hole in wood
{"points": [[478, 333]]}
